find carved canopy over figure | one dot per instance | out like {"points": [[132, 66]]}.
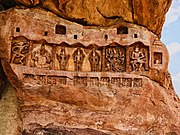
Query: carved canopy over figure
{"points": [[42, 58], [94, 59], [115, 59], [137, 59], [78, 57], [19, 50], [63, 58]]}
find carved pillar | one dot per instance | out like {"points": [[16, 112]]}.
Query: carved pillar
{"points": [[127, 60], [28, 62], [103, 59], [53, 56]]}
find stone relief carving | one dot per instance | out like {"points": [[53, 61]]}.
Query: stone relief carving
{"points": [[116, 81], [52, 80], [111, 59], [29, 78], [83, 80], [137, 82], [41, 79], [78, 57], [44, 79], [80, 81], [157, 58], [62, 80], [19, 51], [138, 58], [115, 60], [63, 58], [94, 59], [105, 81], [42, 58], [127, 82], [94, 81]]}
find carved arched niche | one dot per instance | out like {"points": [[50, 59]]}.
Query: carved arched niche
{"points": [[138, 57]]}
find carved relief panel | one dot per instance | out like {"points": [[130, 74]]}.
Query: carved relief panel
{"points": [[19, 51], [42, 56], [62, 58], [139, 57], [94, 58], [81, 81], [44, 79], [105, 81], [116, 81], [127, 82], [137, 82], [78, 57], [94, 81], [115, 59]]}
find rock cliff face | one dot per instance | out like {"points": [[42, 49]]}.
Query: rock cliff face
{"points": [[150, 14], [89, 80]]}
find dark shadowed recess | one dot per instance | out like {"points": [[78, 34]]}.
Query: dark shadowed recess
{"points": [[6, 4], [3, 80]]}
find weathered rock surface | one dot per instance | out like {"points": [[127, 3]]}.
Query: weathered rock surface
{"points": [[150, 14], [146, 110], [81, 80], [10, 123]]}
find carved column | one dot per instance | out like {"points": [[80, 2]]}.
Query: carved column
{"points": [[127, 60], [28, 63], [53, 56], [103, 59]]}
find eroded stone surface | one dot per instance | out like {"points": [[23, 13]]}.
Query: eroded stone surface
{"points": [[150, 14], [9, 115], [76, 79]]}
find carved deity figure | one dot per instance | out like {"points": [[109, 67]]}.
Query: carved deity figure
{"points": [[94, 59], [63, 59], [115, 60], [42, 58], [78, 57], [137, 59], [19, 51]]}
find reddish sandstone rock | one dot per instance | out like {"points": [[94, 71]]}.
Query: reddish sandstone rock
{"points": [[74, 79], [150, 14]]}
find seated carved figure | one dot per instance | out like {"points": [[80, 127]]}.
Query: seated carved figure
{"points": [[42, 58], [137, 59], [63, 59]]}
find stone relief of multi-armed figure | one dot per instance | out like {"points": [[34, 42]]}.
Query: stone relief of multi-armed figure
{"points": [[115, 59], [19, 51]]}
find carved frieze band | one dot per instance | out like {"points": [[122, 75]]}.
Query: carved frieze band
{"points": [[112, 58], [83, 81]]}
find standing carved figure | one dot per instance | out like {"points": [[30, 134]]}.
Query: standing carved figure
{"points": [[137, 59], [78, 57], [19, 51], [63, 59], [42, 58], [94, 59]]}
